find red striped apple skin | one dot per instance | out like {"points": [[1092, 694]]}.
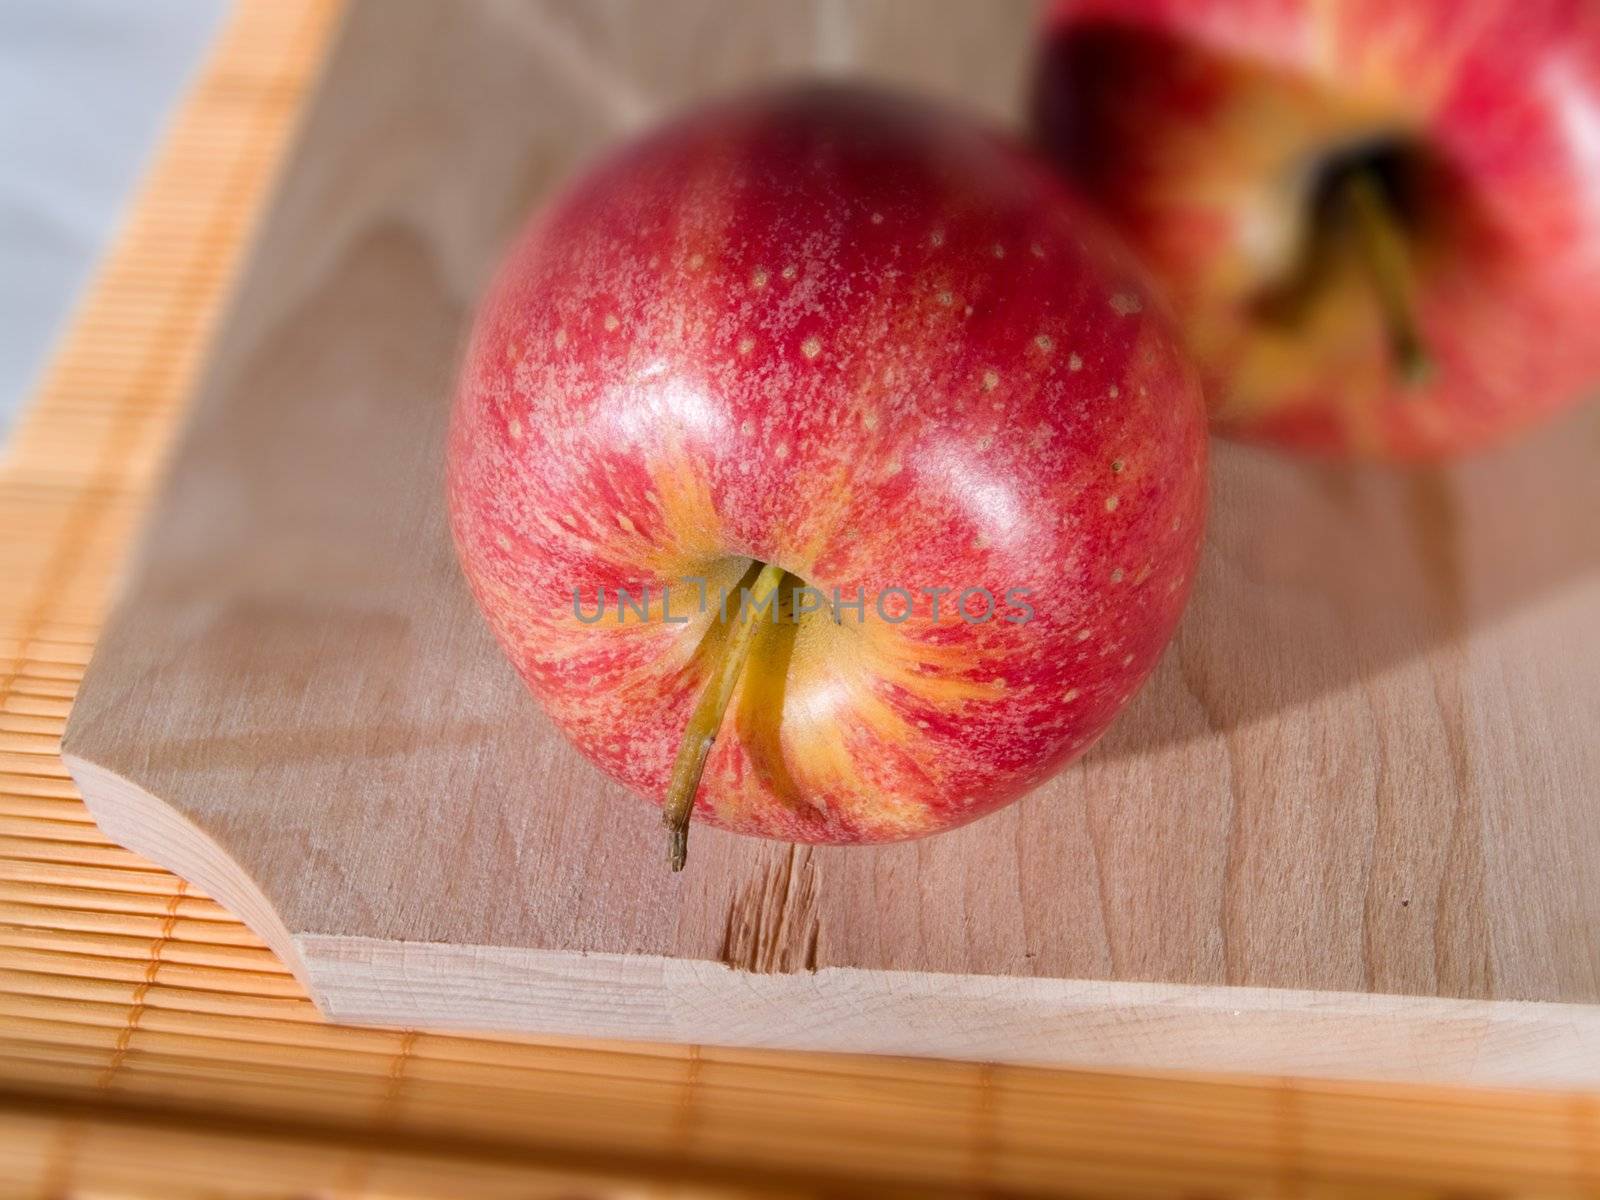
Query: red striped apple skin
{"points": [[876, 345], [1196, 125]]}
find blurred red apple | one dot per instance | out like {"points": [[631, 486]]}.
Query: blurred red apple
{"points": [[838, 340], [1379, 221]]}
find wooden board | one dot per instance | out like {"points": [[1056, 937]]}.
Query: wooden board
{"points": [[1348, 829]]}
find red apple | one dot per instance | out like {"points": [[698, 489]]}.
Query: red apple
{"points": [[835, 339], [1379, 221]]}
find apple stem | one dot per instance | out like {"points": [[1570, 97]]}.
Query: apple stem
{"points": [[727, 661], [1383, 250]]}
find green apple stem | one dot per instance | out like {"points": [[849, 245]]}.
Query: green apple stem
{"points": [[701, 733], [1382, 247]]}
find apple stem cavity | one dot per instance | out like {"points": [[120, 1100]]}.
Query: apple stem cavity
{"points": [[1357, 221], [1382, 246], [727, 663]]}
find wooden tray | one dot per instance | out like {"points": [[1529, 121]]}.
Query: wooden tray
{"points": [[1348, 829]]}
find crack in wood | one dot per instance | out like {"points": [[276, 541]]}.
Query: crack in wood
{"points": [[774, 926]]}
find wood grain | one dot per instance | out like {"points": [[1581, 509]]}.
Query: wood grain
{"points": [[1348, 826]]}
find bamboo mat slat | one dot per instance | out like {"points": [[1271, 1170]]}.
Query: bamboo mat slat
{"points": [[151, 1045]]}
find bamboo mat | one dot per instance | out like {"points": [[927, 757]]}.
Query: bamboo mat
{"points": [[151, 1046]]}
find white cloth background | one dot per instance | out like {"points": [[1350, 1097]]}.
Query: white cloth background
{"points": [[85, 88]]}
